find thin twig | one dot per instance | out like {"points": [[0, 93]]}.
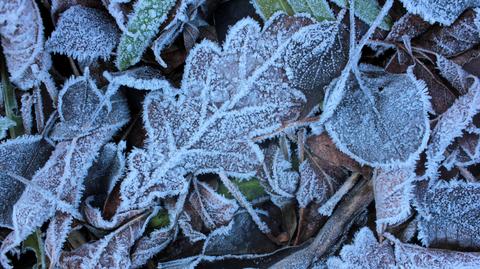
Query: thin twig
{"points": [[335, 227]]}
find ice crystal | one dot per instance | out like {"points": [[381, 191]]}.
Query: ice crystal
{"points": [[85, 34]]}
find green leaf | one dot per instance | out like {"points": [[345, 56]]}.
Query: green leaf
{"points": [[162, 219], [251, 189], [10, 103], [144, 24], [35, 243], [319, 9], [367, 11]]}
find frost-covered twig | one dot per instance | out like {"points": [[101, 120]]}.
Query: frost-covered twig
{"points": [[336, 226]]}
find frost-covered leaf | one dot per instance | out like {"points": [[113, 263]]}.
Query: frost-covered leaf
{"points": [[468, 150], [278, 175], [83, 109], [185, 223], [22, 157], [441, 11], [393, 191], [140, 78], [186, 16], [59, 6], [450, 126], [58, 185], [240, 236], [450, 215], [85, 34], [367, 11], [112, 251], [5, 123], [319, 9], [214, 209], [365, 252], [143, 25], [210, 124], [413, 256], [57, 233], [449, 41], [107, 170], [314, 186], [21, 30], [385, 127], [94, 216], [148, 246]]}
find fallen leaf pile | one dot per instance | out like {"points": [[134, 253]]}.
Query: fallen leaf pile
{"points": [[240, 134]]}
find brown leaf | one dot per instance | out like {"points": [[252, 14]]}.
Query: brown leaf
{"points": [[392, 189], [112, 251], [452, 40], [408, 25], [214, 209]]}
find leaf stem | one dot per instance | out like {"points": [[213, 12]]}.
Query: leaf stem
{"points": [[10, 101]]}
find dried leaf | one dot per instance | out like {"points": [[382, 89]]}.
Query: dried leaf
{"points": [[450, 126], [186, 16], [449, 215], [112, 251], [393, 191], [210, 124], [142, 27], [22, 156], [106, 171], [214, 209], [385, 127], [442, 11], [413, 256], [147, 246], [21, 29], [314, 186], [449, 41], [365, 252], [240, 236], [278, 175], [85, 34], [58, 185]]}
